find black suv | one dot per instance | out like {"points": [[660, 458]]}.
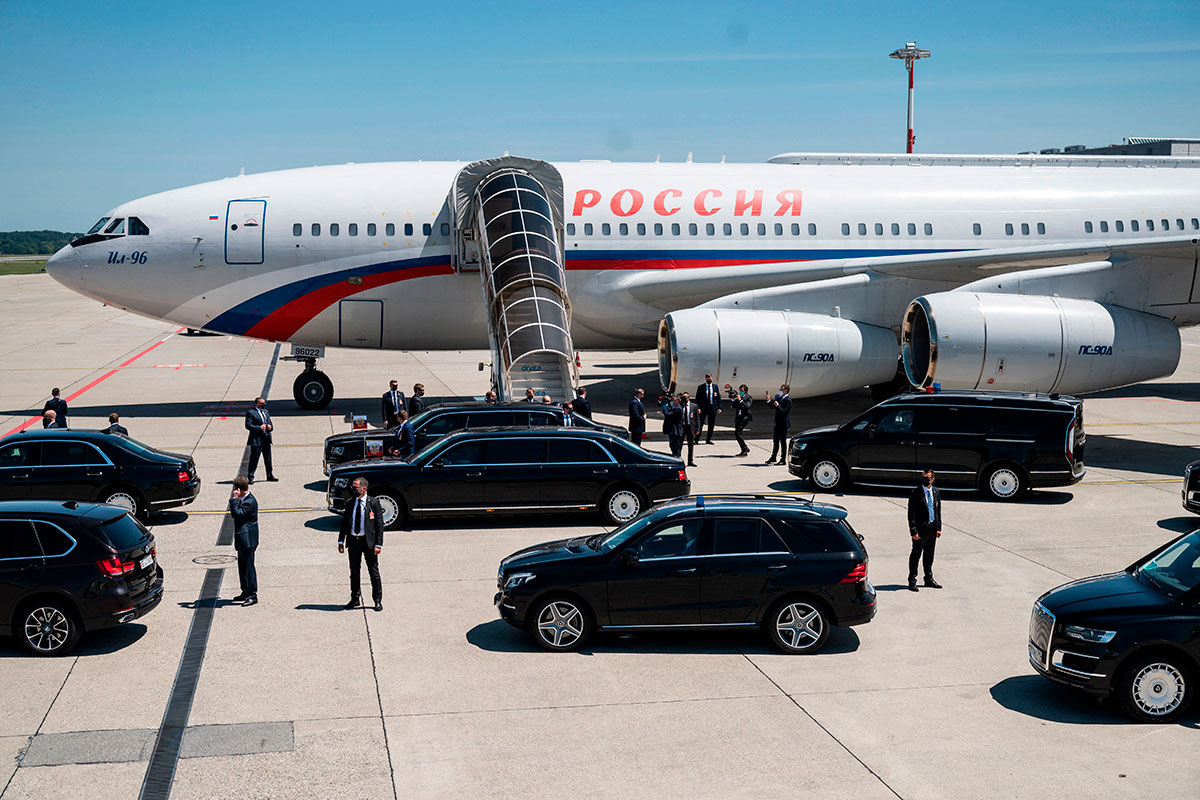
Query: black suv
{"points": [[1135, 634], [1191, 487], [71, 567], [437, 421], [519, 470], [787, 565], [1002, 443], [89, 465]]}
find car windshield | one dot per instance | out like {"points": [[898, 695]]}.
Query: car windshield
{"points": [[138, 447], [606, 543], [1176, 568]]}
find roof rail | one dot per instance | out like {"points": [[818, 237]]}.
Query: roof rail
{"points": [[701, 498]]}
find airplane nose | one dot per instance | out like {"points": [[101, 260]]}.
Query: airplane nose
{"points": [[65, 268]]}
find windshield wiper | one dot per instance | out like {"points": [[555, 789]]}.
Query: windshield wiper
{"points": [[1155, 584], [594, 539]]}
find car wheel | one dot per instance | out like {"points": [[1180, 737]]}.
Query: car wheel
{"points": [[47, 628], [798, 626], [1156, 688], [623, 504], [828, 473], [126, 499], [1003, 482], [560, 624], [312, 390], [393, 510]]}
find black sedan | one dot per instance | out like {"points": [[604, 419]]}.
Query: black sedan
{"points": [[789, 566], [92, 466], [517, 470], [435, 422], [1191, 487], [66, 568], [1134, 634]]}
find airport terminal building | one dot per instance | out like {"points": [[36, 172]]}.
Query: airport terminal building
{"points": [[1132, 146]]}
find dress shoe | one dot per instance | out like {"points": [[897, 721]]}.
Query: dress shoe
{"points": [[932, 584], [691, 463], [379, 605], [250, 479], [744, 453], [770, 461], [251, 600], [239, 598], [355, 602], [272, 479], [708, 441], [912, 586]]}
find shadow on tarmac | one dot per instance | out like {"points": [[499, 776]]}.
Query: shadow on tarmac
{"points": [[1037, 697], [497, 636], [320, 607], [1180, 524], [1036, 497], [94, 643], [1187, 392]]}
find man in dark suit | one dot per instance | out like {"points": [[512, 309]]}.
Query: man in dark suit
{"points": [[259, 425], [742, 417], [49, 419], [115, 426], [673, 425], [391, 403], [637, 417], [691, 426], [925, 528], [58, 406], [783, 420], [406, 438], [362, 536], [416, 403], [581, 405], [530, 397], [243, 507], [708, 397]]}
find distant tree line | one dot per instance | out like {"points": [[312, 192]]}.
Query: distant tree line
{"points": [[32, 243]]}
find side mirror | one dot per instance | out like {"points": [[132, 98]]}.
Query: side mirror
{"points": [[871, 430], [438, 464], [629, 558]]}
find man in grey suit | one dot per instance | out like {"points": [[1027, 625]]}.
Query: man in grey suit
{"points": [[244, 509], [259, 425], [362, 535]]}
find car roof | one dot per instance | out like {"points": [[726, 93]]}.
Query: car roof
{"points": [[965, 397], [477, 405], [64, 433], [766, 502], [58, 508], [524, 431]]}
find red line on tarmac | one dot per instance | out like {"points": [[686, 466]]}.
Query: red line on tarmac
{"points": [[102, 378]]}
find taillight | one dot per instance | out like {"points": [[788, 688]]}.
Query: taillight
{"points": [[1070, 445], [114, 567], [682, 475], [184, 477], [856, 575]]}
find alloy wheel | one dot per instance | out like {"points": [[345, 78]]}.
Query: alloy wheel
{"points": [[560, 624], [799, 625], [123, 500], [1004, 483], [826, 474], [47, 629], [390, 507], [624, 505], [1158, 688]]}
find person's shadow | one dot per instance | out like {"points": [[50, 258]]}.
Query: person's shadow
{"points": [[320, 607]]}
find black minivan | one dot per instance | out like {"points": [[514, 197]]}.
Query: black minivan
{"points": [[1002, 443]]}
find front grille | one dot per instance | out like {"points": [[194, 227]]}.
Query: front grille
{"points": [[1041, 626]]}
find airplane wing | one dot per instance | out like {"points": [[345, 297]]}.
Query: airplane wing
{"points": [[960, 266]]}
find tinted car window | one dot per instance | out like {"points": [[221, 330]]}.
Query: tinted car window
{"points": [[17, 540], [58, 454], [953, 419], [812, 536], [443, 424], [744, 536], [1028, 423], [516, 451], [492, 419], [124, 532], [898, 420], [54, 541], [674, 541], [21, 454], [544, 418], [574, 451], [464, 453]]}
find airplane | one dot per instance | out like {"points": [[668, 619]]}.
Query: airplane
{"points": [[826, 272]]}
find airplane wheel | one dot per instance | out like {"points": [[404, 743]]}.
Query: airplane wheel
{"points": [[313, 390]]}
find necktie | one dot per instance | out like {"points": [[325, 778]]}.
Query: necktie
{"points": [[395, 402], [358, 529]]}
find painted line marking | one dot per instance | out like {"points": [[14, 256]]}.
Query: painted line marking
{"points": [[1146, 480], [261, 511]]}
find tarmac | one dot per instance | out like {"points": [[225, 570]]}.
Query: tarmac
{"points": [[435, 697]]}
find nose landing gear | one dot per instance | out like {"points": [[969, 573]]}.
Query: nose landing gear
{"points": [[312, 388]]}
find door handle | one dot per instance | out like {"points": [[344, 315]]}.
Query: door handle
{"points": [[474, 474], [912, 442], [925, 444], [688, 571], [599, 472], [94, 474], [25, 475], [777, 567]]}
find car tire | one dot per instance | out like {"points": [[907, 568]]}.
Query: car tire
{"points": [[561, 624], [126, 498], [394, 509], [798, 625], [1004, 482], [623, 504], [312, 390], [47, 628], [1156, 687], [828, 473]]}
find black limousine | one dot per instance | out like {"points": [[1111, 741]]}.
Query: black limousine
{"points": [[435, 422], [517, 470], [53, 464]]}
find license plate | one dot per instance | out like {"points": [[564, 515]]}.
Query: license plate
{"points": [[1037, 654], [146, 562]]}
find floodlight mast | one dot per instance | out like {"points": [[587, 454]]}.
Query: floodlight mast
{"points": [[909, 55]]}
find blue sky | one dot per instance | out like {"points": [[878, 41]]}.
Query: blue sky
{"points": [[102, 103]]}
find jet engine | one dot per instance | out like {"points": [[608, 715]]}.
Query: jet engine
{"points": [[967, 340], [812, 353]]}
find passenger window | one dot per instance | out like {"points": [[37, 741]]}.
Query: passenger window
{"points": [[1133, 224], [845, 229], [316, 229], [1087, 226], [464, 454], [623, 229], [1120, 226], [953, 419], [879, 229], [445, 228], [812, 229], [389, 229], [370, 229], [352, 229], [408, 229], [606, 229], [1008, 229], [710, 229], [54, 542], [862, 229], [544, 418], [297, 229], [896, 228], [1014, 423], [899, 420], [69, 454], [811, 536], [779, 229], [440, 426], [494, 419], [1041, 228], [641, 228], [762, 228], [116, 227], [928, 229], [658, 229], [21, 454], [674, 228], [426, 229], [1149, 224], [570, 229], [1178, 224], [334, 230], [739, 536], [1103, 227], [573, 451], [744, 229], [674, 541], [587, 229], [727, 229], [693, 229], [976, 228], [139, 228], [17, 540], [516, 451], [1195, 223]]}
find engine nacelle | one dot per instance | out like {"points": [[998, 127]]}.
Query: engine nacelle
{"points": [[812, 353], [968, 340]]}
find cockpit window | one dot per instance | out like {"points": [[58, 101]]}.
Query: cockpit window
{"points": [[98, 225], [116, 227], [137, 227]]}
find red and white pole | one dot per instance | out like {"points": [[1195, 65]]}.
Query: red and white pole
{"points": [[912, 66]]}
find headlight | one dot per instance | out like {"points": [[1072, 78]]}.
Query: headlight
{"points": [[516, 579], [340, 483], [1089, 634], [799, 445]]}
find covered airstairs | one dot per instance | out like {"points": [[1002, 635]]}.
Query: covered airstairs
{"points": [[508, 216]]}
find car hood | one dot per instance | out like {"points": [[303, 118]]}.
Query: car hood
{"points": [[818, 431], [559, 550], [1114, 593]]}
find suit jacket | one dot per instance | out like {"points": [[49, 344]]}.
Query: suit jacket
{"points": [[406, 440], [741, 409], [572, 420], [691, 419], [372, 523], [254, 418], [672, 420], [115, 428], [582, 407], [245, 521], [918, 511], [783, 410], [637, 415], [703, 398], [416, 404], [389, 409], [59, 407]]}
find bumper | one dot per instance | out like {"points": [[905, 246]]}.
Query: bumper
{"points": [[1074, 664], [669, 491], [861, 609], [181, 495], [115, 607], [1191, 499], [1046, 479], [511, 609]]}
